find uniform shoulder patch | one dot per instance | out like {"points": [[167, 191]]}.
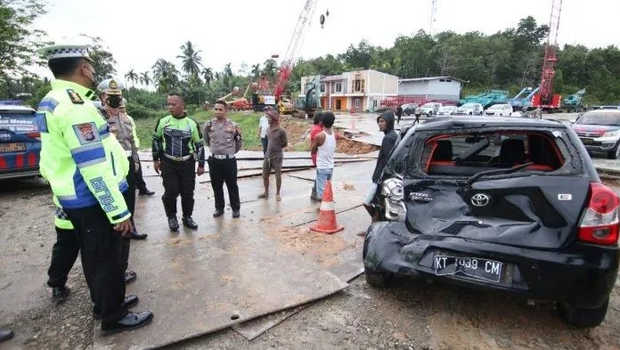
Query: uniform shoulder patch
{"points": [[86, 133], [41, 121], [74, 96], [47, 104]]}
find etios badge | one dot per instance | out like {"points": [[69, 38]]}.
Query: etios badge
{"points": [[480, 200]]}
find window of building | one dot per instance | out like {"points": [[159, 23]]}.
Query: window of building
{"points": [[358, 85], [323, 87], [338, 87]]}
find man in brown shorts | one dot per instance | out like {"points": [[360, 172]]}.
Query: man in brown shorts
{"points": [[277, 141]]}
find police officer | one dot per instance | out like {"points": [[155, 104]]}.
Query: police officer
{"points": [[123, 127], [177, 144], [140, 184], [86, 170], [223, 137]]}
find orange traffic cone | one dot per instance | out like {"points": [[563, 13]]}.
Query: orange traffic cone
{"points": [[327, 215]]}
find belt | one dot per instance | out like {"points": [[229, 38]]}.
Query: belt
{"points": [[223, 156], [178, 158]]}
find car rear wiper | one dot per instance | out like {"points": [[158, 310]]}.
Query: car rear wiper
{"points": [[477, 176]]}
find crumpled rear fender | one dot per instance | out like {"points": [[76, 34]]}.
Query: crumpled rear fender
{"points": [[383, 247]]}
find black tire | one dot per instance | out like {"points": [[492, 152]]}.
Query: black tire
{"points": [[584, 318], [614, 153], [378, 279]]}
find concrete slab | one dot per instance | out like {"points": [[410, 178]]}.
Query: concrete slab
{"points": [[340, 254], [226, 272]]}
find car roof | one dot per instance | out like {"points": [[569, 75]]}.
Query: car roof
{"points": [[15, 108], [443, 123]]}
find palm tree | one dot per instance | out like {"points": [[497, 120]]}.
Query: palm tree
{"points": [[132, 76], [192, 62], [165, 75], [207, 75], [145, 78]]}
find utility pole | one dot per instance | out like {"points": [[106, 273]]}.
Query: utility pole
{"points": [[433, 16]]}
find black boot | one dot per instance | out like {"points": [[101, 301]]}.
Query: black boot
{"points": [[173, 224], [189, 222], [129, 302], [138, 236], [146, 192], [218, 213], [130, 321], [60, 294], [5, 334]]}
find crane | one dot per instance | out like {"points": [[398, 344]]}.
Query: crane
{"points": [[545, 99], [284, 73]]}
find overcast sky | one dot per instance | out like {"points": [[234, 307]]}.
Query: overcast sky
{"points": [[138, 32]]}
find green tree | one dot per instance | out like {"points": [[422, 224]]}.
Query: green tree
{"points": [[103, 60], [18, 41], [145, 78], [132, 76], [191, 60], [165, 76], [207, 75]]}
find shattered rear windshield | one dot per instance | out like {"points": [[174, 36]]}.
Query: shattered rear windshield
{"points": [[468, 153]]}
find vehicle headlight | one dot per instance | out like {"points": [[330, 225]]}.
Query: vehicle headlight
{"points": [[393, 191], [614, 133]]}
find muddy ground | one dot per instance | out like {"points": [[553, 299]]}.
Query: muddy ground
{"points": [[298, 130], [412, 315]]}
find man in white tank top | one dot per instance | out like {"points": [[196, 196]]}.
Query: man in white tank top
{"points": [[325, 146]]}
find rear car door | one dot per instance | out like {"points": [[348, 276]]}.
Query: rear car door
{"points": [[20, 142]]}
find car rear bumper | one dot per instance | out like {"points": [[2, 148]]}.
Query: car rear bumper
{"points": [[18, 174], [582, 275]]}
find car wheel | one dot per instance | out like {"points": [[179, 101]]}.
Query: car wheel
{"points": [[378, 279], [614, 153], [584, 318]]}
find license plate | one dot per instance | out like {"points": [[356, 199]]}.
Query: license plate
{"points": [[477, 268], [12, 147]]}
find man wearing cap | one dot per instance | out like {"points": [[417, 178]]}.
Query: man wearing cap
{"points": [[86, 170], [223, 137], [123, 127], [177, 145]]}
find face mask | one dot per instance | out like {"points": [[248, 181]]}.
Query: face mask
{"points": [[114, 101]]}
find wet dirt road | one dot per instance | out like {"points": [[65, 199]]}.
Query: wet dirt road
{"points": [[411, 315]]}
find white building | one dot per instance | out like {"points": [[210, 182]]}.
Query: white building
{"points": [[355, 91], [442, 88]]}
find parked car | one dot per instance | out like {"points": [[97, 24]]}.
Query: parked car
{"points": [[513, 205], [499, 110], [447, 110], [409, 108], [429, 108], [470, 109], [20, 142], [599, 130]]}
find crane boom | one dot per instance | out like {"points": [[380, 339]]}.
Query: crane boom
{"points": [[546, 98], [294, 45]]}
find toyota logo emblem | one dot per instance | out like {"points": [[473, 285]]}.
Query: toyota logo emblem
{"points": [[480, 200]]}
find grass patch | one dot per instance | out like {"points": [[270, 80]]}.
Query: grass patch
{"points": [[248, 122]]}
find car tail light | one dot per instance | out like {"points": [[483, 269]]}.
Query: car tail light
{"points": [[34, 135], [600, 223]]}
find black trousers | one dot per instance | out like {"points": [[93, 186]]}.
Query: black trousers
{"points": [[64, 254], [140, 184], [130, 200], [224, 171], [179, 178], [101, 250]]}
